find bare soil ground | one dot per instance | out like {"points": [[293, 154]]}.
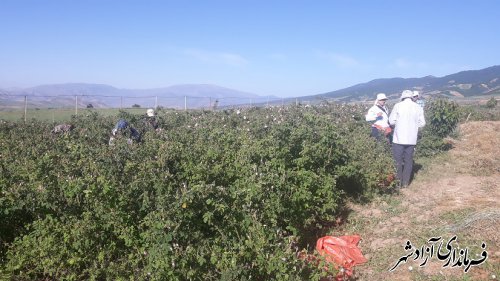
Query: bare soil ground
{"points": [[457, 193]]}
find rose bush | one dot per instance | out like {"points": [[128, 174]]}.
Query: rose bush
{"points": [[215, 195]]}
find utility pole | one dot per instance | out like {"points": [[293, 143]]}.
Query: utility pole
{"points": [[25, 107]]}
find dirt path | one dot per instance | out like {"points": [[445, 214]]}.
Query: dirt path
{"points": [[457, 194]]}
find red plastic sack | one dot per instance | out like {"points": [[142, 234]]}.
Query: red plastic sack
{"points": [[342, 251]]}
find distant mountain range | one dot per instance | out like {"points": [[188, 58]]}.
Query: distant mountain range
{"points": [[462, 84], [459, 85], [98, 95]]}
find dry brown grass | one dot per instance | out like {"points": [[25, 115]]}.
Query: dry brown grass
{"points": [[457, 194], [478, 151]]}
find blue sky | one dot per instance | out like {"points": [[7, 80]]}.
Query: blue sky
{"points": [[283, 48]]}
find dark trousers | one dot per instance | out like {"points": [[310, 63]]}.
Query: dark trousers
{"points": [[375, 133], [403, 156], [379, 135]]}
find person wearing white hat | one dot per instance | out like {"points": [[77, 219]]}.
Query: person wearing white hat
{"points": [[406, 117], [150, 122], [150, 112], [378, 114], [416, 98]]}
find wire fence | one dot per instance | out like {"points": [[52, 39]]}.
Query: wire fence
{"points": [[52, 107]]}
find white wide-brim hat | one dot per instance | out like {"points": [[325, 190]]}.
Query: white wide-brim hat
{"points": [[406, 94], [381, 96]]}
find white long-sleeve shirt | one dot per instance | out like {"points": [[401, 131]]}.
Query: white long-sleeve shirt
{"points": [[374, 112], [407, 116]]}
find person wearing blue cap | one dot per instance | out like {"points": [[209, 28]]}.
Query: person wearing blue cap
{"points": [[122, 127], [406, 117]]}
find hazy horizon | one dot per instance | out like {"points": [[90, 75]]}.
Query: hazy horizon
{"points": [[279, 48]]}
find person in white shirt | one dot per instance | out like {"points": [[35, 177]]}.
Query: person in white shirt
{"points": [[416, 98], [378, 114], [406, 117]]}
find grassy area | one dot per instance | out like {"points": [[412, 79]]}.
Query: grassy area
{"points": [[452, 194], [60, 114]]}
